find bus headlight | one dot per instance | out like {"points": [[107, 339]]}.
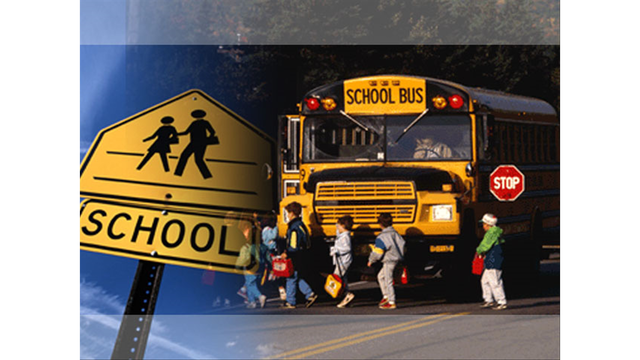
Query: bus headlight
{"points": [[442, 212]]}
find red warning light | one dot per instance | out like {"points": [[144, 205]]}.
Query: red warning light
{"points": [[456, 101], [312, 103]]}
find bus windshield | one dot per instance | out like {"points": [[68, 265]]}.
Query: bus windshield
{"points": [[337, 138], [433, 137]]}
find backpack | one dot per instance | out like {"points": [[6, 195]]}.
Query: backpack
{"points": [[302, 236], [248, 257]]}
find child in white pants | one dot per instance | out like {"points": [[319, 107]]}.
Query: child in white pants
{"points": [[492, 287], [490, 248]]}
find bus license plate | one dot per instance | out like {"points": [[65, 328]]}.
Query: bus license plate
{"points": [[441, 248]]}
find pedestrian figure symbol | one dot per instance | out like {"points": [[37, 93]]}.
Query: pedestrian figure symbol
{"points": [[202, 135], [165, 136]]}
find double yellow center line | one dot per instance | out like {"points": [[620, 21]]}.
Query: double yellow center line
{"points": [[365, 336]]}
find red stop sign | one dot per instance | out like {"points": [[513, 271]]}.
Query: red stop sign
{"points": [[506, 183]]}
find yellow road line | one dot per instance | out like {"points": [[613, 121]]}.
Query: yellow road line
{"points": [[363, 339], [311, 347], [355, 336]]}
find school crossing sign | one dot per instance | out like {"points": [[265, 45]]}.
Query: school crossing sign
{"points": [[188, 152], [171, 183]]}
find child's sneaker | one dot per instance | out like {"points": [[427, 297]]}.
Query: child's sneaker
{"points": [[243, 293], [283, 293], [216, 302], [388, 306], [383, 301], [311, 300], [347, 299], [500, 307], [263, 300], [286, 305], [488, 304], [251, 305]]}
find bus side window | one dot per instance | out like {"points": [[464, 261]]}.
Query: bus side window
{"points": [[541, 143], [526, 144], [498, 143], [507, 136], [554, 148], [517, 143], [535, 145]]}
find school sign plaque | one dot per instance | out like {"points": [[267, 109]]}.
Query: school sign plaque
{"points": [[168, 184], [205, 241]]}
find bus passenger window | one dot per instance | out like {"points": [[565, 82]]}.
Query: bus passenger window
{"points": [[504, 144]]}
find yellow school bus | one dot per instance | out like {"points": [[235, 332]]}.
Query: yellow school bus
{"points": [[423, 150]]}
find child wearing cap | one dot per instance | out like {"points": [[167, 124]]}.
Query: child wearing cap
{"points": [[491, 250]]}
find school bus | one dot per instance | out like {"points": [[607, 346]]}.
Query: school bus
{"points": [[421, 149]]}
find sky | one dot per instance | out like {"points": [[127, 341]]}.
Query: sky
{"points": [[109, 92], [45, 275]]}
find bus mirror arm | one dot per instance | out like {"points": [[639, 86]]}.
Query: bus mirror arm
{"points": [[466, 193]]}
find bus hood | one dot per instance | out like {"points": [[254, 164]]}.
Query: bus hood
{"points": [[426, 178]]}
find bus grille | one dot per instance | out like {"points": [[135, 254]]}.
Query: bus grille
{"points": [[365, 201]]}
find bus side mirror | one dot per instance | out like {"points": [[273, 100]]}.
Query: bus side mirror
{"points": [[488, 138]]}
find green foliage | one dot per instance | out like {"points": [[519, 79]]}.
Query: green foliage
{"points": [[392, 38], [381, 22]]}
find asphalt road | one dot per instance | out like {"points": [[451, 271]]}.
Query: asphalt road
{"points": [[426, 325], [541, 298]]}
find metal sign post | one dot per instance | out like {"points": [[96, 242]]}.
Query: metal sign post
{"points": [[138, 314]]}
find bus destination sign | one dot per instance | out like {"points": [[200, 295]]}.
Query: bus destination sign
{"points": [[385, 94]]}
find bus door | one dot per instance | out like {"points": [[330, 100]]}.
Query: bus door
{"points": [[289, 156]]}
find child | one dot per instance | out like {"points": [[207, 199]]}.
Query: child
{"points": [[269, 232], [269, 240], [341, 252], [249, 254], [490, 249], [298, 243], [389, 248]]}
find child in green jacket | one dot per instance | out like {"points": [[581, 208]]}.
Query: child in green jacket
{"points": [[490, 248]]}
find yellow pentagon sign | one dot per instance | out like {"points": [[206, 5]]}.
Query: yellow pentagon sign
{"points": [[187, 152], [385, 94], [205, 241]]}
